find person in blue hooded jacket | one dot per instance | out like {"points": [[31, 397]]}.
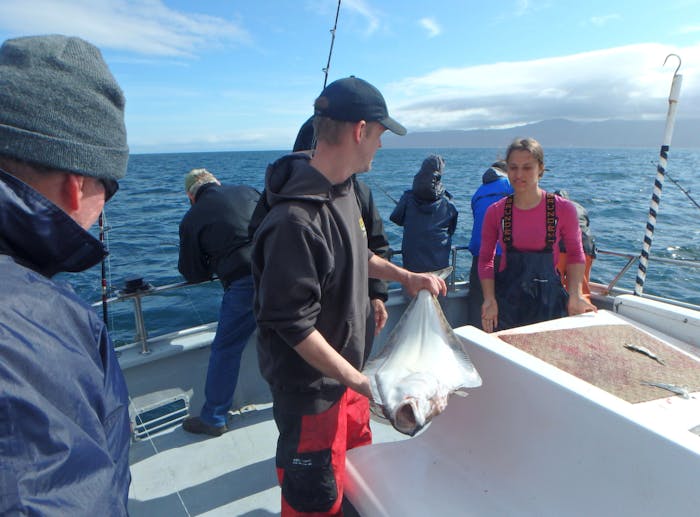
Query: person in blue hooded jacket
{"points": [[428, 217], [494, 186], [64, 420]]}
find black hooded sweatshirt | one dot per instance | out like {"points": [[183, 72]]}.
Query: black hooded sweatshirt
{"points": [[309, 265]]}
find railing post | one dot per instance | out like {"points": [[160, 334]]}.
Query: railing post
{"points": [[453, 274], [141, 333], [134, 288]]}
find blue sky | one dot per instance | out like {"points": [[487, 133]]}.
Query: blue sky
{"points": [[242, 75]]}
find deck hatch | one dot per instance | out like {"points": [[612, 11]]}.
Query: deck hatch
{"points": [[169, 411]]}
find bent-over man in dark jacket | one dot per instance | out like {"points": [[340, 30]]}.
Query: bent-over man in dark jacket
{"points": [[214, 240]]}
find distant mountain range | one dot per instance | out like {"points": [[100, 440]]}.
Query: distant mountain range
{"points": [[558, 133]]}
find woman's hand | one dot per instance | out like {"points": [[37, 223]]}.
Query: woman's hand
{"points": [[489, 315], [579, 305]]}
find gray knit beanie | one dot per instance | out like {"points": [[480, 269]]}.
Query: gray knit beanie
{"points": [[61, 107]]}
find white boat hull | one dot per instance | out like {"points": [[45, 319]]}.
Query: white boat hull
{"points": [[533, 440]]}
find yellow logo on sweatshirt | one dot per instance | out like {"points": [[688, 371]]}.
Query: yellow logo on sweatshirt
{"points": [[362, 227]]}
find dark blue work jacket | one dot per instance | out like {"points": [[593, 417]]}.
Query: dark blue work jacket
{"points": [[64, 421]]}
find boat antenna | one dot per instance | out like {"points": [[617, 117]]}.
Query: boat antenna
{"points": [[103, 274], [659, 180], [330, 51]]}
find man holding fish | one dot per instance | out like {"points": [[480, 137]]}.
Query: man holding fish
{"points": [[310, 266]]}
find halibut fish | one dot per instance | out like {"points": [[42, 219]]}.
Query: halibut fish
{"points": [[422, 363]]}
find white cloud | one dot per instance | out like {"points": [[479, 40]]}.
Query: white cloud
{"points": [[146, 27], [361, 8], [627, 82], [600, 21], [431, 26], [521, 7], [689, 29]]}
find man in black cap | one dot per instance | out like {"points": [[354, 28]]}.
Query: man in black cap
{"points": [[64, 421], [377, 240], [310, 266]]}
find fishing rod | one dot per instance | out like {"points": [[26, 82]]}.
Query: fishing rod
{"points": [[659, 180], [103, 275], [330, 51], [387, 194], [327, 68], [686, 192]]}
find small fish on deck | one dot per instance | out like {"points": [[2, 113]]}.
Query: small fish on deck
{"points": [[678, 390], [644, 351]]}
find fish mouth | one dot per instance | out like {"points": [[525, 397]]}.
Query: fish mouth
{"points": [[405, 419], [409, 419]]}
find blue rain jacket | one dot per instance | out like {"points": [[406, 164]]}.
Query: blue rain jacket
{"points": [[494, 186], [64, 422], [428, 228]]}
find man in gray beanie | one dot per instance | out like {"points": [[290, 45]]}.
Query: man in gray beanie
{"points": [[64, 422]]}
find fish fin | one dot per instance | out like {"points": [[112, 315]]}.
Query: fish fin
{"points": [[443, 273], [473, 379], [457, 345]]}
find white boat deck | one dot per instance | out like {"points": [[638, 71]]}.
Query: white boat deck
{"points": [[198, 475], [533, 440], [230, 475]]}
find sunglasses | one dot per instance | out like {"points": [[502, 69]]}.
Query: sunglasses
{"points": [[111, 186]]}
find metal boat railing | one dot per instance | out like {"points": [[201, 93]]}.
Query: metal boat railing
{"points": [[137, 289], [632, 258]]}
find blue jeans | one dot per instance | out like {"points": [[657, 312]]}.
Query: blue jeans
{"points": [[236, 324]]}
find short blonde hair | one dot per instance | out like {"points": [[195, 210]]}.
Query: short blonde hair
{"points": [[196, 178]]}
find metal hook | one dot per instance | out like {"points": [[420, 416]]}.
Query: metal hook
{"points": [[679, 62]]}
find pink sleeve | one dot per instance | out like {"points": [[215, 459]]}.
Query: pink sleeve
{"points": [[569, 231], [489, 237]]}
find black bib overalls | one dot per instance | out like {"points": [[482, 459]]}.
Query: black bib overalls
{"points": [[529, 289]]}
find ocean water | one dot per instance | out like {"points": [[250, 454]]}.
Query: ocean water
{"points": [[615, 185]]}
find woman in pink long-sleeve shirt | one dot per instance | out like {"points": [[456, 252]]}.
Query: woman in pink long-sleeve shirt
{"points": [[530, 289]]}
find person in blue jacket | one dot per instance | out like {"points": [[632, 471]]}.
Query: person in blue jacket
{"points": [[64, 420], [494, 186], [429, 219]]}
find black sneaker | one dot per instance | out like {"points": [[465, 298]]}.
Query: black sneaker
{"points": [[195, 425]]}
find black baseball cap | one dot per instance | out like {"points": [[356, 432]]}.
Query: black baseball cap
{"points": [[352, 99]]}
